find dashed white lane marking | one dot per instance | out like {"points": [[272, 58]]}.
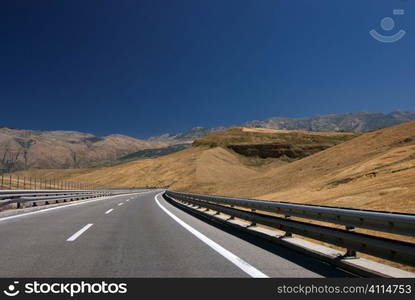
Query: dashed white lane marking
{"points": [[78, 233], [119, 204], [240, 263], [108, 211], [60, 207]]}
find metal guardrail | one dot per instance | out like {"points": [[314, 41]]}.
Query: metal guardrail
{"points": [[394, 250], [398, 223], [21, 197]]}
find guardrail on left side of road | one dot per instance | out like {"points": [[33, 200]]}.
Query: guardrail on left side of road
{"points": [[22, 198]]}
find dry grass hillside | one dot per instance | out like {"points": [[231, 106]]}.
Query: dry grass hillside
{"points": [[187, 169], [375, 170], [201, 167]]}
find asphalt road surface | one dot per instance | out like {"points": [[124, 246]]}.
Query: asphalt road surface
{"points": [[139, 235]]}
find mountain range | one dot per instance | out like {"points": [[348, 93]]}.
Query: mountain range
{"points": [[28, 149], [355, 122], [352, 122]]}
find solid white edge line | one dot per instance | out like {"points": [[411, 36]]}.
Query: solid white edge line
{"points": [[78, 233], [108, 211], [60, 207], [240, 263]]}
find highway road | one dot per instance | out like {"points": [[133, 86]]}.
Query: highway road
{"points": [[139, 235]]}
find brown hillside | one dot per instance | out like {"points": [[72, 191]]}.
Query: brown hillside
{"points": [[285, 144], [203, 166], [28, 149], [375, 170], [188, 169]]}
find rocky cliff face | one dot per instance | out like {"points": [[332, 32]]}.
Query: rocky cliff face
{"points": [[277, 150]]}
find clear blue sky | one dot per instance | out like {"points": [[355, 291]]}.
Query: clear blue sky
{"points": [[147, 67]]}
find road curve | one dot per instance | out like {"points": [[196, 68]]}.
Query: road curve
{"points": [[139, 235]]}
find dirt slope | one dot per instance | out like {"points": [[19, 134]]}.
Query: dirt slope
{"points": [[375, 170], [187, 169], [210, 162]]}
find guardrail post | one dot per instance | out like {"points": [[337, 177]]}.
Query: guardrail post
{"points": [[350, 253], [287, 233], [232, 217], [253, 223]]}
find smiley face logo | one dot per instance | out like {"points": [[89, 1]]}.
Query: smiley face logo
{"points": [[387, 24], [11, 290]]}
